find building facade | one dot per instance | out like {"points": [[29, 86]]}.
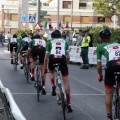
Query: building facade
{"points": [[78, 12]]}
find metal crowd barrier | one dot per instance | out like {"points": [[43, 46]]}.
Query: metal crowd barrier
{"points": [[10, 108]]}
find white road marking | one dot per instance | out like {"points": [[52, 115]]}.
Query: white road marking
{"points": [[50, 94], [6, 51]]}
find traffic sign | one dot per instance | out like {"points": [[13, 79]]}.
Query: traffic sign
{"points": [[32, 19], [114, 18], [24, 18], [24, 24], [37, 27]]}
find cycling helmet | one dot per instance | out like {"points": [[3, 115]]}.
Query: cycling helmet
{"points": [[24, 35], [37, 36], [14, 36], [105, 33], [56, 34]]}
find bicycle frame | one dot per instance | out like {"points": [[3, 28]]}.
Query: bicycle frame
{"points": [[14, 59]]}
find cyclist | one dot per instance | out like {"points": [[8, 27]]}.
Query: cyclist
{"points": [[37, 47], [111, 51], [12, 43], [23, 46], [57, 51]]}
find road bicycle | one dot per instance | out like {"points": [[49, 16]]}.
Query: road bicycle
{"points": [[15, 59], [26, 66], [116, 98], [38, 80], [61, 95]]}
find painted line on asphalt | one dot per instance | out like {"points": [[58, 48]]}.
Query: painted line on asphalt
{"points": [[50, 94], [88, 85], [6, 51]]}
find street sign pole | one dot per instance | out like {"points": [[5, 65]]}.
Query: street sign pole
{"points": [[58, 14], [38, 11]]}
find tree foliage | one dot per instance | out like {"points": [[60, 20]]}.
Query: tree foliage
{"points": [[107, 7], [45, 4]]}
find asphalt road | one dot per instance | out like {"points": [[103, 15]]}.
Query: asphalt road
{"points": [[87, 94]]}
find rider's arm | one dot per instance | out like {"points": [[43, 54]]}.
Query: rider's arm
{"points": [[19, 45], [99, 63]]}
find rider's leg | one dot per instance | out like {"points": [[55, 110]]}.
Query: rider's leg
{"points": [[21, 62]]}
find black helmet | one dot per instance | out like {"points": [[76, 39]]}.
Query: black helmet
{"points": [[106, 33], [14, 36], [24, 35], [56, 34], [37, 36]]}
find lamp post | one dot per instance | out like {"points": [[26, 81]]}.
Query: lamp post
{"points": [[38, 12], [71, 13], [58, 14]]}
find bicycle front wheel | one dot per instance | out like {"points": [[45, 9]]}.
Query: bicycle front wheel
{"points": [[38, 81], [116, 105], [14, 63]]}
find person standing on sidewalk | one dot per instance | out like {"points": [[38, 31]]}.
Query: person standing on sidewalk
{"points": [[84, 50]]}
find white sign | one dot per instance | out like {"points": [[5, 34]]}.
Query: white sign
{"points": [[37, 27], [75, 55], [114, 18]]}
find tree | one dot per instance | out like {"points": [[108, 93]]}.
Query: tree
{"points": [[107, 7], [45, 4]]}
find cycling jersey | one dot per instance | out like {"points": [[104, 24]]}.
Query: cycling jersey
{"points": [[13, 40], [37, 42], [57, 47], [110, 50]]}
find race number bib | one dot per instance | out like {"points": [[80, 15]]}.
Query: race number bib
{"points": [[38, 42], [58, 52], [114, 54]]}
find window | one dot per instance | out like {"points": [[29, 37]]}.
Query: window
{"points": [[84, 19], [66, 4], [14, 17], [82, 5], [101, 19], [66, 19]]}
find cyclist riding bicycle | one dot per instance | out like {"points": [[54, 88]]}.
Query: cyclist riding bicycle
{"points": [[12, 43], [57, 51], [37, 48], [111, 51], [23, 46]]}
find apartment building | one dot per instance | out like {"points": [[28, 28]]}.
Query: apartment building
{"points": [[81, 15], [80, 12]]}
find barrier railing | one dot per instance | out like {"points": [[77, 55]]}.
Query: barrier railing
{"points": [[10, 108]]}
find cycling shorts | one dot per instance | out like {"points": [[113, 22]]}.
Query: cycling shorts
{"points": [[13, 44], [63, 64], [111, 67], [38, 51], [24, 46]]}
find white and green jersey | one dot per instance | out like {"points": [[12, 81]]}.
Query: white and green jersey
{"points": [[11, 40], [110, 50], [37, 42], [26, 39], [57, 47]]}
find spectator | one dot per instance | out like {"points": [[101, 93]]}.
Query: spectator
{"points": [[79, 38], [3, 36], [69, 38], [31, 34], [45, 25], [50, 26], [1, 39], [49, 33], [84, 50], [8, 35], [91, 39], [64, 35]]}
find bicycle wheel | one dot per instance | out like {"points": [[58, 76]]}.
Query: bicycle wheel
{"points": [[14, 62], [38, 81], [63, 104], [116, 102]]}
